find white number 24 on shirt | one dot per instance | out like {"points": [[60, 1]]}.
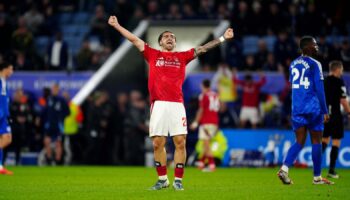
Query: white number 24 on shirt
{"points": [[302, 81]]}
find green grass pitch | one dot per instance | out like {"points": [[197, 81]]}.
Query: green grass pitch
{"points": [[132, 183]]}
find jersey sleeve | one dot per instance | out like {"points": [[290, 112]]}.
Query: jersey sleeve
{"points": [[318, 83], [342, 89], [188, 56], [147, 52]]}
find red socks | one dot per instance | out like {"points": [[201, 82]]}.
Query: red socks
{"points": [[179, 170]]}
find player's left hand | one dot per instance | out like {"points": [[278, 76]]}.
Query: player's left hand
{"points": [[229, 34], [193, 126], [326, 118]]}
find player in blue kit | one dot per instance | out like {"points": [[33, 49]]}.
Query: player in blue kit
{"points": [[6, 70], [309, 109]]}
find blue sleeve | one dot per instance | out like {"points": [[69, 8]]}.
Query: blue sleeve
{"points": [[318, 82]]}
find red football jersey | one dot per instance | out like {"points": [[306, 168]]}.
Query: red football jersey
{"points": [[210, 104], [166, 73]]}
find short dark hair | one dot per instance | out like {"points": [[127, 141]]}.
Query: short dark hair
{"points": [[4, 65], [248, 77], [335, 64], [304, 41], [161, 35], [206, 83]]}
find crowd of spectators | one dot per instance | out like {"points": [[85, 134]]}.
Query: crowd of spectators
{"points": [[104, 130], [276, 24]]}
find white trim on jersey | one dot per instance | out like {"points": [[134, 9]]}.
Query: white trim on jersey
{"points": [[319, 65]]}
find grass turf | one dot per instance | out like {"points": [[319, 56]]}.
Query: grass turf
{"points": [[133, 182]]}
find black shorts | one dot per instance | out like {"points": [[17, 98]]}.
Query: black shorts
{"points": [[334, 128]]}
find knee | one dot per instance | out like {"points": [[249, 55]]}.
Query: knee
{"points": [[157, 145], [180, 144], [7, 141]]}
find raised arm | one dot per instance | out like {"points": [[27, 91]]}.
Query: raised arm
{"points": [[140, 44], [214, 43]]}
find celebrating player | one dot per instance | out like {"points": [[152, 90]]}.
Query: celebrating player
{"points": [[335, 94], [207, 117], [6, 70], [166, 76], [309, 109]]}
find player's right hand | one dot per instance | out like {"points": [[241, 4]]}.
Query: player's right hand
{"points": [[326, 118], [113, 21]]}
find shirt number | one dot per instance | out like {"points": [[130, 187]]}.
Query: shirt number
{"points": [[214, 103], [300, 80]]}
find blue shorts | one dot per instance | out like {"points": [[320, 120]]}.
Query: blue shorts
{"points": [[4, 126], [55, 131], [311, 121]]}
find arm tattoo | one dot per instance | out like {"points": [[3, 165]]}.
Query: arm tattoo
{"points": [[203, 49]]}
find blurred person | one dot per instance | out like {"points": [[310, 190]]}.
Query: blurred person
{"points": [[153, 11], [22, 40], [223, 12], [335, 90], [208, 121], [257, 19], [22, 119], [284, 48], [120, 112], [98, 25], [250, 99], [22, 62], [325, 51], [312, 21], [188, 12], [166, 76], [270, 64], [173, 12], [98, 125], [136, 18], [276, 18], [33, 19], [135, 130], [6, 70], [54, 113], [222, 83], [206, 9], [344, 54], [241, 17], [84, 57], [261, 55], [309, 109], [50, 25], [71, 126], [57, 53], [250, 63]]}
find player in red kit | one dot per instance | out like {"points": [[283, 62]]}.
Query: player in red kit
{"points": [[168, 116], [207, 117]]}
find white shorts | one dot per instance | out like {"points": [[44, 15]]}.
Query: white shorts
{"points": [[249, 114], [207, 131], [167, 118]]}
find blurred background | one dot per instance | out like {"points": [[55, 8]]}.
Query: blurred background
{"points": [[70, 43]]}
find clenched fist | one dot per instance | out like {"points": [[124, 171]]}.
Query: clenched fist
{"points": [[113, 21], [229, 34]]}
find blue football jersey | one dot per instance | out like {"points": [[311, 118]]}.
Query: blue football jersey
{"points": [[4, 100], [308, 95]]}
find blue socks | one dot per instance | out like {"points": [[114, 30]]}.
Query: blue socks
{"points": [[317, 158], [292, 154], [1, 156]]}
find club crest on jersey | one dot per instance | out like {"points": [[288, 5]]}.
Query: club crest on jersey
{"points": [[160, 62], [168, 62]]}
